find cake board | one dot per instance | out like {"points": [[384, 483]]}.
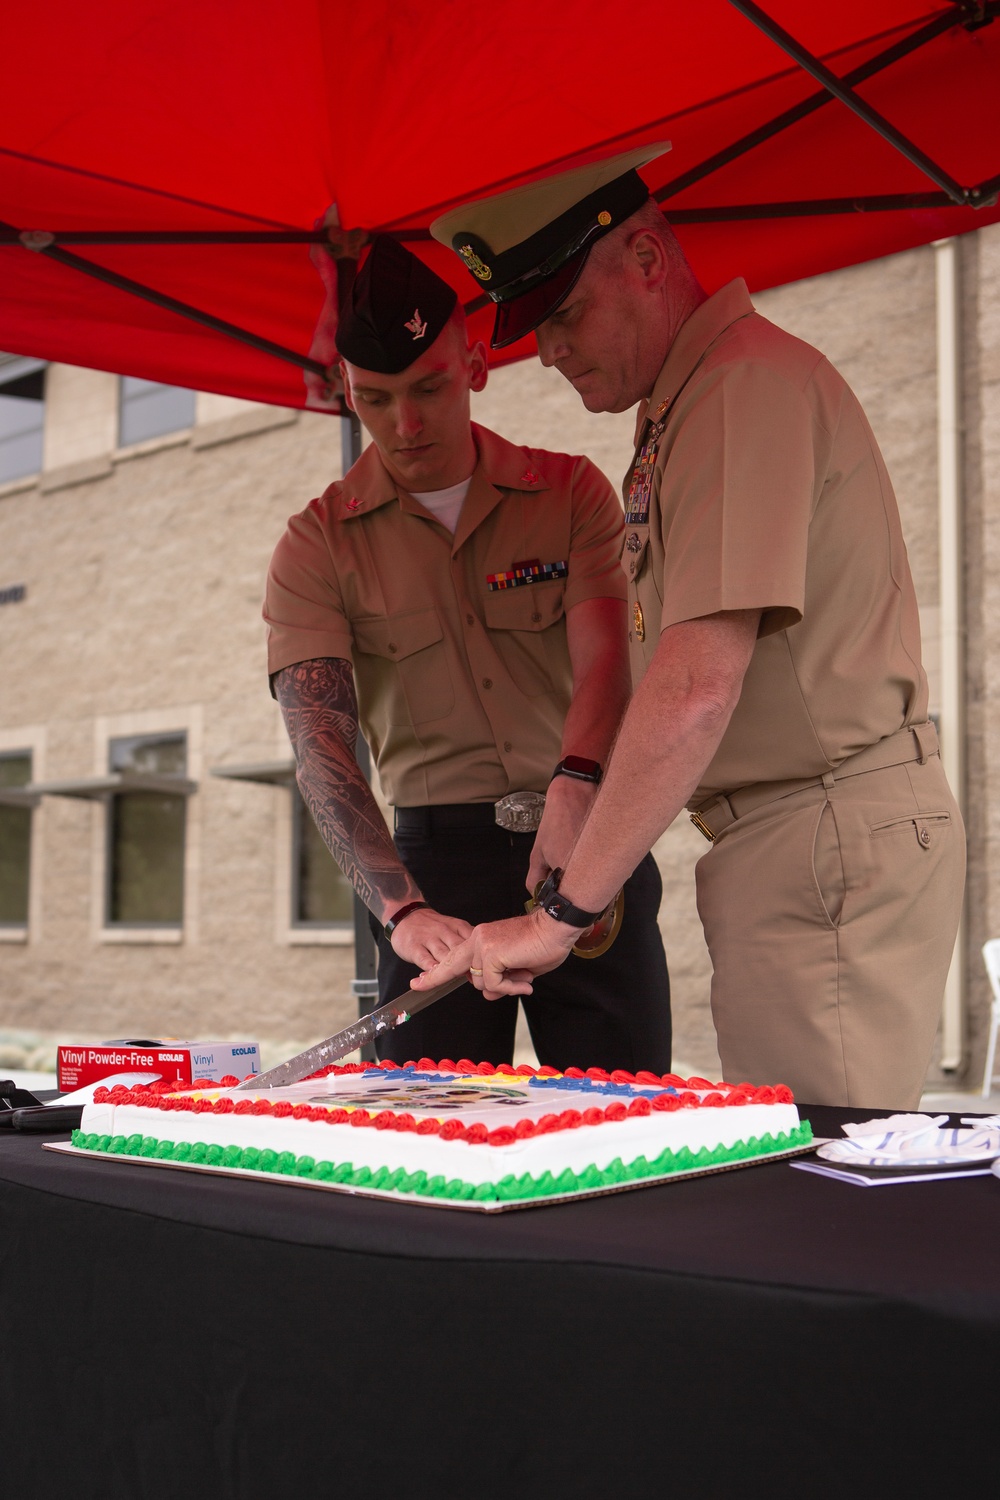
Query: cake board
{"points": [[487, 1207]]}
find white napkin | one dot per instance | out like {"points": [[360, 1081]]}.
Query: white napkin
{"points": [[905, 1123], [902, 1139]]}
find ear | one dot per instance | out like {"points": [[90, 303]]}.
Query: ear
{"points": [[348, 398], [649, 254], [478, 367]]}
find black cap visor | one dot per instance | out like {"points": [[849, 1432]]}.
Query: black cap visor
{"points": [[523, 314]]}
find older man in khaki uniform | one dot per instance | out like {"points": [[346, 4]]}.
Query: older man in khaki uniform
{"points": [[775, 643], [462, 598]]}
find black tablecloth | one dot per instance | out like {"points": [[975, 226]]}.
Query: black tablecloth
{"points": [[765, 1331]]}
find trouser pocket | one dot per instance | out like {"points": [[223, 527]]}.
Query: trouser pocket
{"points": [[924, 826]]}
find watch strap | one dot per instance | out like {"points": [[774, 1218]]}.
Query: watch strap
{"points": [[560, 907]]}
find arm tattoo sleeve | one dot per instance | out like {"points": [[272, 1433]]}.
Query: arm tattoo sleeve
{"points": [[320, 709]]}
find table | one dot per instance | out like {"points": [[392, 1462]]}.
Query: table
{"points": [[764, 1332]]}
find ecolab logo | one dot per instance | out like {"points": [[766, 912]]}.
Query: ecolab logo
{"points": [[244, 1051]]}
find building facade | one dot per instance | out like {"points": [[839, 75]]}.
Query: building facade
{"points": [[157, 875]]}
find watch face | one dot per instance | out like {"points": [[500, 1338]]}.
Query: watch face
{"points": [[578, 765]]}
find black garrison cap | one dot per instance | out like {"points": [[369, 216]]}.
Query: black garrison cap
{"points": [[527, 247], [395, 311]]}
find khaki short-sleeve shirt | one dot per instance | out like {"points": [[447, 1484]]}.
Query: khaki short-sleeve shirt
{"points": [[463, 676], [768, 491]]}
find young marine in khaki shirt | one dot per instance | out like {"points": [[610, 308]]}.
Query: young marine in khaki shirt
{"points": [[461, 599]]}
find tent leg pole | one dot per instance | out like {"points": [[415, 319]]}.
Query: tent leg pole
{"points": [[950, 550]]}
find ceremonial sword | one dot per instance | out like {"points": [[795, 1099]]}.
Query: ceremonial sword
{"points": [[356, 1035]]}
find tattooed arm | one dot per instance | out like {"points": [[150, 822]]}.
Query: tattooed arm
{"points": [[320, 709]]}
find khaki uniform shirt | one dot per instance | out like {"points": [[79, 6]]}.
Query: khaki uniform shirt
{"points": [[767, 491], [462, 688]]}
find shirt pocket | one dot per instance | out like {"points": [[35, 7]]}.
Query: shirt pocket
{"points": [[527, 628], [402, 666]]}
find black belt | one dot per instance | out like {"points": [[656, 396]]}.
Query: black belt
{"points": [[446, 815]]}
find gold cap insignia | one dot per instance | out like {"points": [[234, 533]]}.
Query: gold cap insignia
{"points": [[477, 266], [604, 218]]}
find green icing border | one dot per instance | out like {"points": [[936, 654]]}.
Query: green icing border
{"points": [[418, 1183]]}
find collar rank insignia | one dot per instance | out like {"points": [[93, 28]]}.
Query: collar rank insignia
{"points": [[415, 326], [354, 503], [529, 477], [476, 265]]}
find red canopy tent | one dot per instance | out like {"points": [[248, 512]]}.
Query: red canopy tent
{"points": [[163, 162]]}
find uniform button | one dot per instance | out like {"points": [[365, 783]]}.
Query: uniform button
{"points": [[470, 619], [536, 617], [487, 682], [924, 836], [392, 646], [508, 746]]}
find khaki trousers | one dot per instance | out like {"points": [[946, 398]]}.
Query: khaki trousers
{"points": [[830, 917]]}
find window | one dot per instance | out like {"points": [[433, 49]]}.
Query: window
{"points": [[146, 835], [149, 410], [22, 410], [322, 895], [15, 842]]}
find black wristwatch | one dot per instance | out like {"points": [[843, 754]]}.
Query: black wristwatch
{"points": [[579, 769], [560, 907]]}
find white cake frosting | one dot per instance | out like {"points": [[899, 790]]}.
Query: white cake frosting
{"points": [[554, 1135]]}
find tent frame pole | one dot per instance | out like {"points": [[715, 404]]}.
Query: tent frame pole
{"points": [[842, 90]]}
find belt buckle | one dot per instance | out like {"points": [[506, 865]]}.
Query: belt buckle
{"points": [[702, 826], [519, 812]]}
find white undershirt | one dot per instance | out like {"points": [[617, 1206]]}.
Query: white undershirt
{"points": [[447, 504]]}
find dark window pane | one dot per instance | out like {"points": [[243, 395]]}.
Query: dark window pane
{"points": [[15, 770], [322, 894], [149, 410], [22, 412], [147, 858], [146, 835], [15, 845]]}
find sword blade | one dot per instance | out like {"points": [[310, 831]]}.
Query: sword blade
{"points": [[395, 1013]]}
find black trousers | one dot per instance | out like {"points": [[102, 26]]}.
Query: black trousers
{"points": [[608, 1012]]}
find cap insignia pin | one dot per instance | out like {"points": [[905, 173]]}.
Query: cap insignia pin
{"points": [[416, 327], [638, 621], [478, 267]]}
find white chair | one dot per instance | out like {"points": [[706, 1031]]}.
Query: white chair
{"points": [[991, 958]]}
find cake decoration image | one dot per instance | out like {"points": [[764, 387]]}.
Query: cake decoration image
{"points": [[449, 1134]]}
